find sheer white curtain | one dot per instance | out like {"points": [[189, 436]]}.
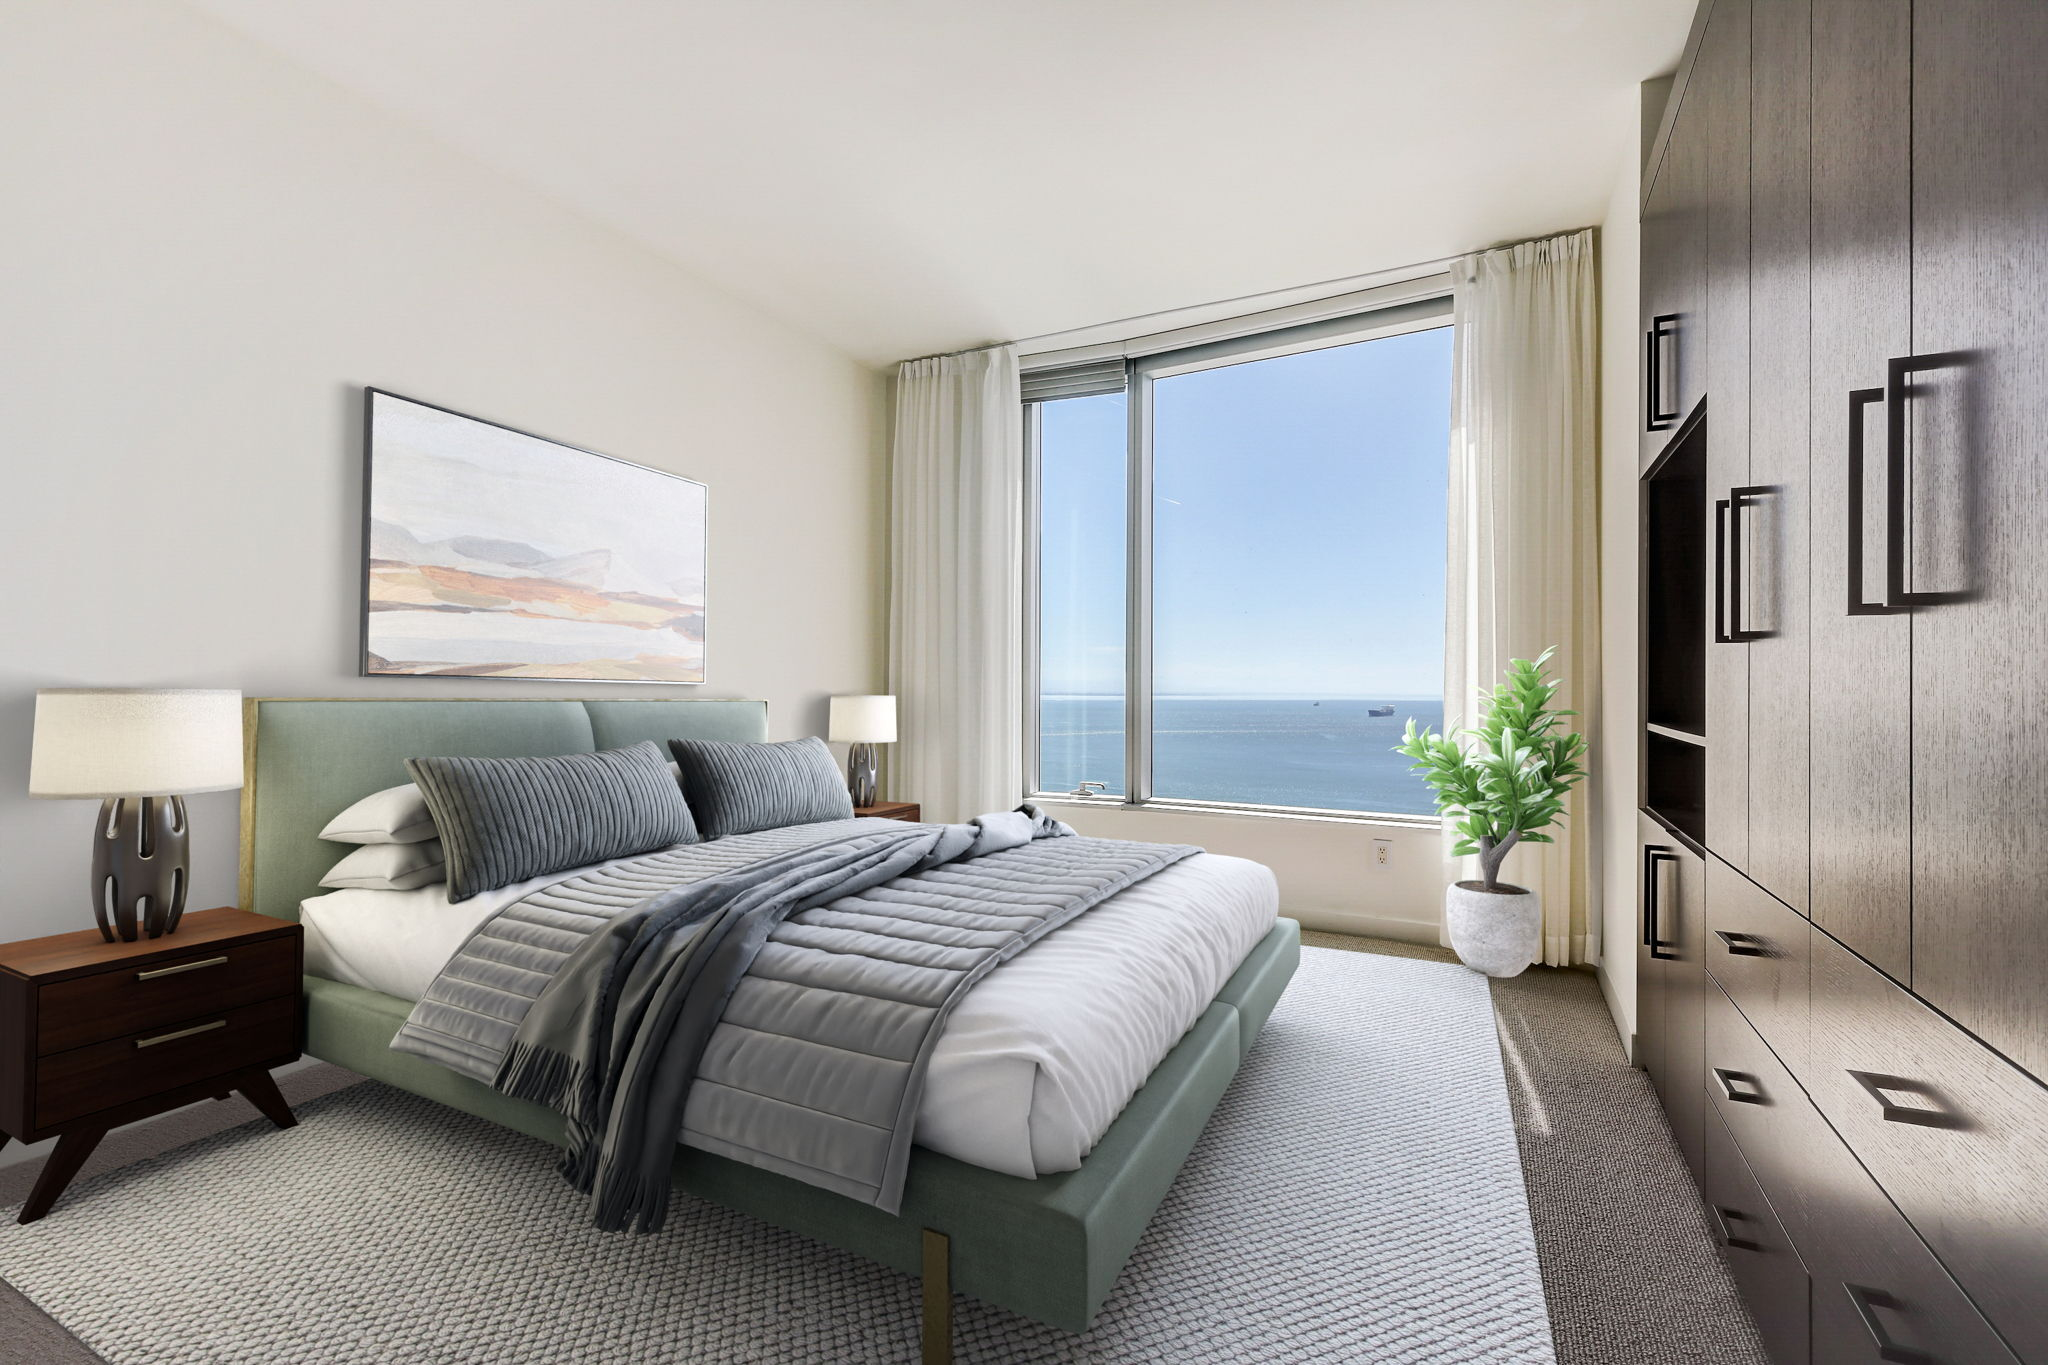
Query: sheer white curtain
{"points": [[956, 620], [1524, 533]]}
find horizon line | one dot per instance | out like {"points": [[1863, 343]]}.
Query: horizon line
{"points": [[1245, 696]]}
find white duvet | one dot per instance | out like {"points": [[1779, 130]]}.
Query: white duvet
{"points": [[1037, 1060]]}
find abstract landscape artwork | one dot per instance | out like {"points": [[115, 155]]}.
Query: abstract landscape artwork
{"points": [[495, 554]]}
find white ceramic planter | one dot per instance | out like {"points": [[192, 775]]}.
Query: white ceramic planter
{"points": [[1496, 932]]}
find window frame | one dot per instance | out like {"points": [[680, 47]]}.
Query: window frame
{"points": [[1426, 313]]}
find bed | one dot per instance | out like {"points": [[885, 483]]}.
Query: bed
{"points": [[1048, 1247]]}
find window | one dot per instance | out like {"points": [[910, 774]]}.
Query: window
{"points": [[1258, 624]]}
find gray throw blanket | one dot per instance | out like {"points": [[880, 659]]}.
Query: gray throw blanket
{"points": [[817, 1066]]}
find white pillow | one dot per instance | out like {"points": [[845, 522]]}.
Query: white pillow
{"points": [[396, 815], [389, 867]]}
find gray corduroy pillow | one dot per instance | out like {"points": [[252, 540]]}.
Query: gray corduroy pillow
{"points": [[503, 820], [739, 788]]}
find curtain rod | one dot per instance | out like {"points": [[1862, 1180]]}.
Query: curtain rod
{"points": [[1398, 273]]}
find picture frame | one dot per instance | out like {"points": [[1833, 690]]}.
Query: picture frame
{"points": [[492, 552]]}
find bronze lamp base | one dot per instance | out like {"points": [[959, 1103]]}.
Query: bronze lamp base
{"points": [[139, 856]]}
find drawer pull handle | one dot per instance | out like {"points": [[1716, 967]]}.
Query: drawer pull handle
{"points": [[1941, 1116], [1867, 1302], [181, 1033], [1754, 1094], [1742, 945], [1728, 1239], [181, 967]]}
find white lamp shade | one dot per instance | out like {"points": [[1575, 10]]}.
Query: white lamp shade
{"points": [[863, 720], [98, 742]]}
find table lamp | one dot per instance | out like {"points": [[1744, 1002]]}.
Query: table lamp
{"points": [[862, 722], [140, 750]]}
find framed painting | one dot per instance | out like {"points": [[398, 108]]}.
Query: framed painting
{"points": [[493, 553]]}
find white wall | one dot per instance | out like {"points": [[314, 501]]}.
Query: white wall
{"points": [[1619, 721], [208, 251], [1329, 876]]}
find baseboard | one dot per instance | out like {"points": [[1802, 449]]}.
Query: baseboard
{"points": [[1368, 926], [1614, 1009]]}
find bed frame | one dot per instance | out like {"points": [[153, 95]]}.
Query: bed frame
{"points": [[1049, 1248]]}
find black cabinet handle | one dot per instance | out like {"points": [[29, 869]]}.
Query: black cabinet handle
{"points": [[1859, 399], [1653, 901], [1729, 1239], [1867, 1302], [1650, 386], [1722, 635], [1753, 1094], [1742, 945], [1896, 391], [1728, 560], [1650, 897], [1875, 1084], [1662, 327]]}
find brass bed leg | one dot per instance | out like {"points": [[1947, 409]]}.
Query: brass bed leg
{"points": [[938, 1299]]}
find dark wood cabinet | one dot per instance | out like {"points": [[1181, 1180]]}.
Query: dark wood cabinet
{"points": [[1759, 950], [1860, 850], [1957, 1137], [1761, 1257], [1840, 979], [1976, 565], [1717, 103], [1775, 606], [1670, 982], [1877, 1292], [1672, 367]]}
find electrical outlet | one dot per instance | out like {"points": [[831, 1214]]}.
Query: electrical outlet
{"points": [[1382, 854]]}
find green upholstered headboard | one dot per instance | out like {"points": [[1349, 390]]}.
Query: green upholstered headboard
{"points": [[306, 760]]}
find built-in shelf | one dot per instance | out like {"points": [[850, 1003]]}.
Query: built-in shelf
{"points": [[1675, 556], [1673, 732]]}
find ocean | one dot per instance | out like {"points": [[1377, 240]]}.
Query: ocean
{"points": [[1328, 755]]}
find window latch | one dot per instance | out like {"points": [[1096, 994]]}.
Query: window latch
{"points": [[1084, 790]]}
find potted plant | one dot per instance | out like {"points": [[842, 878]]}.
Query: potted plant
{"points": [[1503, 783]]}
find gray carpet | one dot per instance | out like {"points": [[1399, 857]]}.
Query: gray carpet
{"points": [[1631, 1272], [1379, 1217], [1631, 1276]]}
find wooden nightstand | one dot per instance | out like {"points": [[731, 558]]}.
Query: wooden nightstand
{"points": [[95, 1034], [892, 810]]}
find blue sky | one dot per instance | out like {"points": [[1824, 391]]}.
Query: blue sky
{"points": [[1298, 527]]}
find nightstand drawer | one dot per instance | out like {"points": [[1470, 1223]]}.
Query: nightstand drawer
{"points": [[114, 1072], [125, 1000]]}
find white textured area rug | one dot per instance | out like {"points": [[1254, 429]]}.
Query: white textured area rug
{"points": [[1356, 1197]]}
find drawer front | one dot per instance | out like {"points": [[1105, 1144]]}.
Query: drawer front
{"points": [[1757, 949], [102, 1075], [1878, 1293], [1773, 1122], [1956, 1136], [113, 1004], [1760, 1256]]}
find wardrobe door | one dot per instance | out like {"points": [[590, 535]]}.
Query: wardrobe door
{"points": [[1671, 981], [1774, 527], [1977, 562], [1682, 926], [1653, 845], [1860, 858], [1717, 98], [1672, 368]]}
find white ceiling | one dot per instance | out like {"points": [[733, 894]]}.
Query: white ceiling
{"points": [[907, 176]]}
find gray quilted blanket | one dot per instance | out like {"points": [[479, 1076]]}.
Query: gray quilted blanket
{"points": [[773, 1000]]}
